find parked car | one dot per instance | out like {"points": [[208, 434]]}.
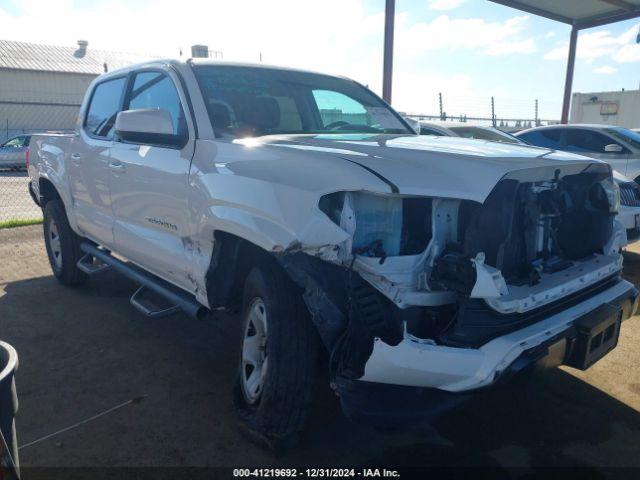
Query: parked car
{"points": [[13, 151], [436, 130], [477, 132], [619, 147], [629, 212], [426, 267]]}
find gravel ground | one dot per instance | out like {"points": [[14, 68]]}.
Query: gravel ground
{"points": [[84, 351]]}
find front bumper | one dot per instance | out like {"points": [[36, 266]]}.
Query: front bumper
{"points": [[416, 379]]}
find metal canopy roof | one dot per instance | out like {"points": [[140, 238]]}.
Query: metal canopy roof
{"points": [[579, 13]]}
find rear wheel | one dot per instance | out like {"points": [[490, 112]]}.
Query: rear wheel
{"points": [[277, 366], [63, 245]]}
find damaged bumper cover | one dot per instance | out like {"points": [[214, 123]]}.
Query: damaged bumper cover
{"points": [[415, 379]]}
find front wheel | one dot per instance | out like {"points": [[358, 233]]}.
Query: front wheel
{"points": [[278, 359], [63, 245]]}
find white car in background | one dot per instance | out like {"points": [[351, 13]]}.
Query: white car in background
{"points": [[476, 132], [619, 147], [629, 211]]}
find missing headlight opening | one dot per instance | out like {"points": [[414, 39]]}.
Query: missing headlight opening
{"points": [[381, 226], [444, 268]]}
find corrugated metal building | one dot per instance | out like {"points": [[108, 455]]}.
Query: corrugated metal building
{"points": [[42, 86]]}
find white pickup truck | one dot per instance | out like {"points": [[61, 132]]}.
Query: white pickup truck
{"points": [[427, 267]]}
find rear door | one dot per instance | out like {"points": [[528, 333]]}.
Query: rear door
{"points": [[592, 143], [149, 183], [88, 161]]}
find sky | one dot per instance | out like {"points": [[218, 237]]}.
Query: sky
{"points": [[468, 50]]}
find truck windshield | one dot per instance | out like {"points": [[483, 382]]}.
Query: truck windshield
{"points": [[254, 101], [625, 135]]}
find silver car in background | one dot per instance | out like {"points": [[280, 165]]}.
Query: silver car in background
{"points": [[618, 146], [13, 152]]}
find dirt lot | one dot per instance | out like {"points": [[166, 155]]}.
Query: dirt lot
{"points": [[84, 351]]}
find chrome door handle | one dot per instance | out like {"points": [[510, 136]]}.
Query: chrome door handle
{"points": [[117, 167], [75, 158]]}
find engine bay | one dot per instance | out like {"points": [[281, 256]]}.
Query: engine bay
{"points": [[537, 238]]}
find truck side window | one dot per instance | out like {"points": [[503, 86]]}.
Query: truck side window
{"points": [[544, 138], [156, 90], [104, 106]]}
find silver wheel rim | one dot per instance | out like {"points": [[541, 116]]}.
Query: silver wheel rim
{"points": [[54, 244], [254, 352]]}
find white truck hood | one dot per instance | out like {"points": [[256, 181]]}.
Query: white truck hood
{"points": [[424, 165]]}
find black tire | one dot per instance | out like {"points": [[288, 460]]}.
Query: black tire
{"points": [[278, 416], [63, 258]]}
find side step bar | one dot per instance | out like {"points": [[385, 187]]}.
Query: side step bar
{"points": [[88, 265], [177, 299]]}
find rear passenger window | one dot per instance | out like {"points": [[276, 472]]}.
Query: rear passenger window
{"points": [[544, 138], [156, 90], [104, 106]]}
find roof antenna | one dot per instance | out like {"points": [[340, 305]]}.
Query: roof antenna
{"points": [[104, 66]]}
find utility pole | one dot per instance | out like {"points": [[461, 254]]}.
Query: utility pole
{"points": [[493, 112], [440, 103], [536, 115], [387, 68], [568, 82]]}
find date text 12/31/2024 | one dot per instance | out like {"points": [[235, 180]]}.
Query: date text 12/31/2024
{"points": [[315, 473]]}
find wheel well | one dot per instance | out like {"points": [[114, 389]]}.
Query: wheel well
{"points": [[48, 192], [231, 261]]}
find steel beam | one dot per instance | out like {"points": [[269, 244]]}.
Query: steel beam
{"points": [[602, 20], [568, 82], [387, 68], [534, 10]]}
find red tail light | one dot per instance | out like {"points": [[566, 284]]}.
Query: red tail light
{"points": [[26, 158]]}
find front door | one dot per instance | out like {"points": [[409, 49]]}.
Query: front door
{"points": [[149, 185]]}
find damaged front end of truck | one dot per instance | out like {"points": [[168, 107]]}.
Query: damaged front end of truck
{"points": [[452, 295]]}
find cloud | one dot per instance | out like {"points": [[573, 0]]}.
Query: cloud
{"points": [[335, 43], [628, 54], [550, 35], [444, 32], [606, 70], [523, 47], [444, 4], [602, 43]]}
